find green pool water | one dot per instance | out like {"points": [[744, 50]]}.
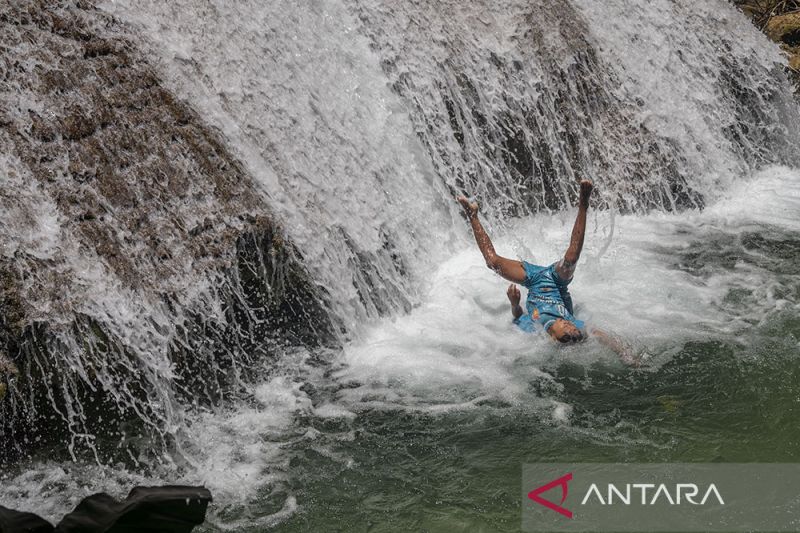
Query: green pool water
{"points": [[726, 400], [461, 471]]}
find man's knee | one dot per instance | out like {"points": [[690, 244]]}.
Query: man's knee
{"points": [[566, 268]]}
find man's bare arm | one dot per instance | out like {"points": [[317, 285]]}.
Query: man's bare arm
{"points": [[566, 267], [624, 351], [510, 269]]}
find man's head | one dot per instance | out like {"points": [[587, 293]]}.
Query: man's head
{"points": [[565, 331]]}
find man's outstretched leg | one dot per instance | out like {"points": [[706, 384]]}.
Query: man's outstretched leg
{"points": [[566, 267], [508, 268]]}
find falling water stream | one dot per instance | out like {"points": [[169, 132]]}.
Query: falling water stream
{"points": [[360, 120]]}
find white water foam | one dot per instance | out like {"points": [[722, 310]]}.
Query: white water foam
{"points": [[460, 346], [772, 199], [237, 453]]}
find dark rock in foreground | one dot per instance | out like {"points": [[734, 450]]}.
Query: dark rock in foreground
{"points": [[169, 509], [18, 522]]}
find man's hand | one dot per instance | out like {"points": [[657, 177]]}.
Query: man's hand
{"points": [[513, 295], [470, 208], [586, 192]]}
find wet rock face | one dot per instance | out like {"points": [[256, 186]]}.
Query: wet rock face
{"points": [[114, 150], [127, 229]]}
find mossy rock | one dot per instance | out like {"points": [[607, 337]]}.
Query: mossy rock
{"points": [[784, 28]]}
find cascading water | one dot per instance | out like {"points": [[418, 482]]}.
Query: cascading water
{"points": [[323, 134], [513, 101], [358, 121], [654, 101]]}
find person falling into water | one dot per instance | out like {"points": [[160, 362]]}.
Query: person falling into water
{"points": [[549, 304]]}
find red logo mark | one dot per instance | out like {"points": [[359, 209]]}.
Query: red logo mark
{"points": [[562, 481]]}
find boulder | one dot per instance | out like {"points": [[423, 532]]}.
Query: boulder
{"points": [[784, 28], [12, 521], [168, 509]]}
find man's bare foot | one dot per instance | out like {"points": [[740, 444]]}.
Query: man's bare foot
{"points": [[586, 191], [513, 295], [470, 208]]}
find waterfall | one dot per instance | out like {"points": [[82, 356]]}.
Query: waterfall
{"points": [[325, 137], [362, 119], [312, 150], [653, 100]]}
